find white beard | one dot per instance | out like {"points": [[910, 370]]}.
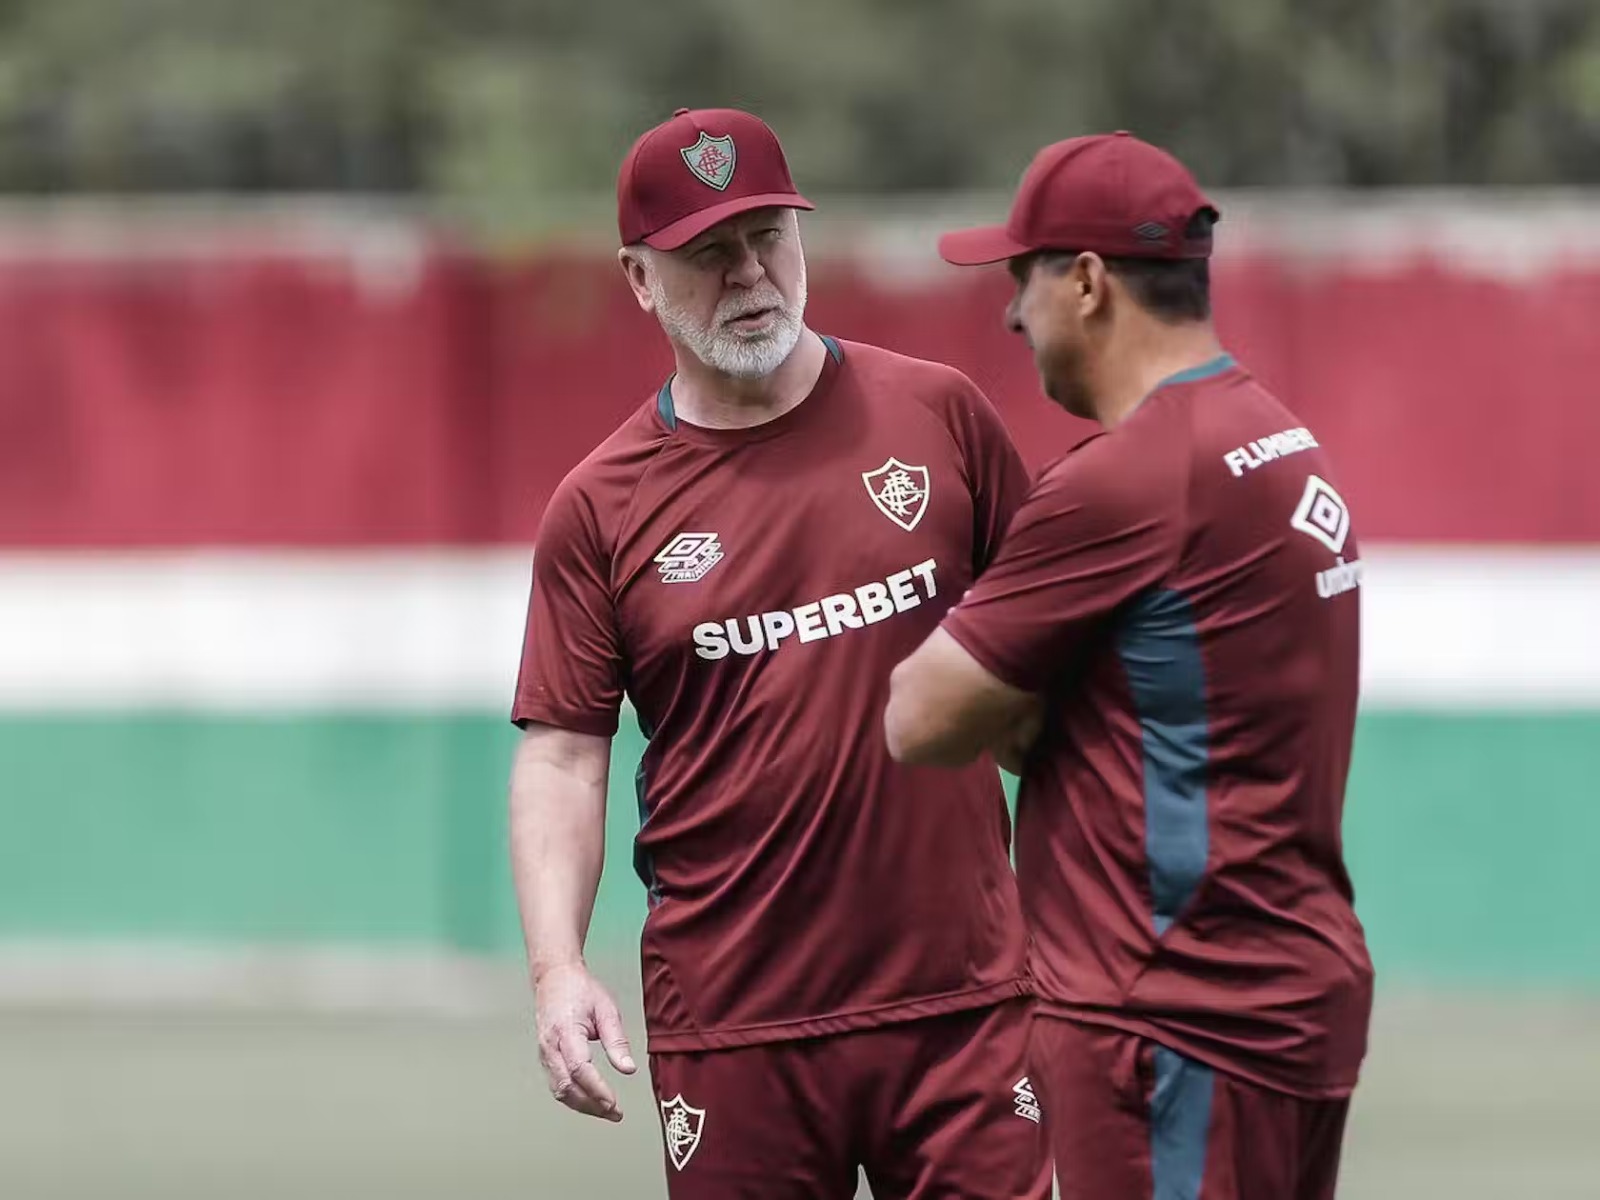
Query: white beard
{"points": [[731, 351]]}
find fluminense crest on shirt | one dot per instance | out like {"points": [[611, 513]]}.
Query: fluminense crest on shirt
{"points": [[900, 491]]}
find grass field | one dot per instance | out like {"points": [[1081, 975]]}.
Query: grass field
{"points": [[1466, 1099]]}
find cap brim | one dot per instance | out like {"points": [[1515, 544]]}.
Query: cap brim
{"points": [[682, 231], [975, 247]]}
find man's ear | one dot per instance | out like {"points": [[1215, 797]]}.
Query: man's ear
{"points": [[1093, 282], [636, 268]]}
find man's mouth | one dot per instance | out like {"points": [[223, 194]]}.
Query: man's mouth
{"points": [[755, 319]]}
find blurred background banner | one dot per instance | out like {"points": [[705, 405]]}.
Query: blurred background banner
{"points": [[304, 311], [269, 493]]}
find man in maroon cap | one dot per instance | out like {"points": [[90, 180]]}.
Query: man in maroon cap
{"points": [[834, 954], [1168, 639]]}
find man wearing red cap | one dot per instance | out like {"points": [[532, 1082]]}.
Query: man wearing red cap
{"points": [[1168, 639], [834, 955]]}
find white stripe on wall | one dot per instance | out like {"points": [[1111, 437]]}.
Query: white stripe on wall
{"points": [[252, 631], [1460, 627]]}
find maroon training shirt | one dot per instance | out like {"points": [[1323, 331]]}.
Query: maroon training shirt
{"points": [[751, 591], [1184, 589]]}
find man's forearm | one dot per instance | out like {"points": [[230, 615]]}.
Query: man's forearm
{"points": [[946, 710], [557, 819]]}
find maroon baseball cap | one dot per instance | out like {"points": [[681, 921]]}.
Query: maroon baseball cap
{"points": [[702, 166], [1110, 193]]}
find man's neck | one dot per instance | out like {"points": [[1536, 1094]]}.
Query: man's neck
{"points": [[1148, 359], [704, 396]]}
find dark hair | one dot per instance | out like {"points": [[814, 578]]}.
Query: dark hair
{"points": [[1172, 289]]}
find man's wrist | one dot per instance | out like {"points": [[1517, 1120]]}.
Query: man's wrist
{"points": [[543, 964]]}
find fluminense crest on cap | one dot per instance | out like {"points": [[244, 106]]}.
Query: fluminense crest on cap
{"points": [[711, 160]]}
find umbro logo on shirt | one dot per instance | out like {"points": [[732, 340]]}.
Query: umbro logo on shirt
{"points": [[688, 557], [1027, 1100], [1322, 514]]}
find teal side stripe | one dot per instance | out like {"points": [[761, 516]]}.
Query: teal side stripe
{"points": [[1160, 651], [643, 865], [1180, 1125]]}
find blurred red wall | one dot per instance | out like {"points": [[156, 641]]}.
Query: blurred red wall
{"points": [[293, 400]]}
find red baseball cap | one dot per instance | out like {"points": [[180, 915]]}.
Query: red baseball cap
{"points": [[702, 166], [1110, 193]]}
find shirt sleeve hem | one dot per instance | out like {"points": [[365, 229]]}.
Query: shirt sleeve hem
{"points": [[596, 724], [1004, 671]]}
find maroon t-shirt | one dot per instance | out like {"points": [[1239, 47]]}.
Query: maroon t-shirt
{"points": [[1184, 589], [751, 591]]}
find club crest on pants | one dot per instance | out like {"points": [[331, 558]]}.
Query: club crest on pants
{"points": [[900, 491], [682, 1124]]}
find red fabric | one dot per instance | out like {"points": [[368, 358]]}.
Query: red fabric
{"points": [[1103, 1112], [279, 400], [754, 591], [930, 1109], [1178, 832], [1108, 192], [698, 168]]}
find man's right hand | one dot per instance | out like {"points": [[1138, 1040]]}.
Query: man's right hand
{"points": [[574, 1009]]}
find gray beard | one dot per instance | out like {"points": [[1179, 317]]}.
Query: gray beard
{"points": [[740, 355]]}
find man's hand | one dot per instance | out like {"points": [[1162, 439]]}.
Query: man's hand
{"points": [[574, 1009], [1012, 753]]}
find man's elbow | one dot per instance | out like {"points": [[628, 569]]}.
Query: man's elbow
{"points": [[914, 731], [908, 744]]}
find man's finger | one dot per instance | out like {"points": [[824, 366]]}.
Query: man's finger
{"points": [[576, 1095], [612, 1037], [561, 1050], [586, 1077], [596, 1090], [555, 1069], [580, 1102]]}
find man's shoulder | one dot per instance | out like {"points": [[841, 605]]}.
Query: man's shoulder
{"points": [[1219, 404], [903, 375], [616, 462], [605, 480], [1239, 424], [1129, 458]]}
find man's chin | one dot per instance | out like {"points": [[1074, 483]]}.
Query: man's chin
{"points": [[1069, 398], [747, 359]]}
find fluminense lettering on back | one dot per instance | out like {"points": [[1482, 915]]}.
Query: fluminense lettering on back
{"points": [[1268, 449]]}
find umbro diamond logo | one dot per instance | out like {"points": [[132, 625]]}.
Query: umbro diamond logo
{"points": [[1322, 514], [1027, 1102], [688, 557]]}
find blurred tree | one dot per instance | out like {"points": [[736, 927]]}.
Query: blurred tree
{"points": [[510, 105]]}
